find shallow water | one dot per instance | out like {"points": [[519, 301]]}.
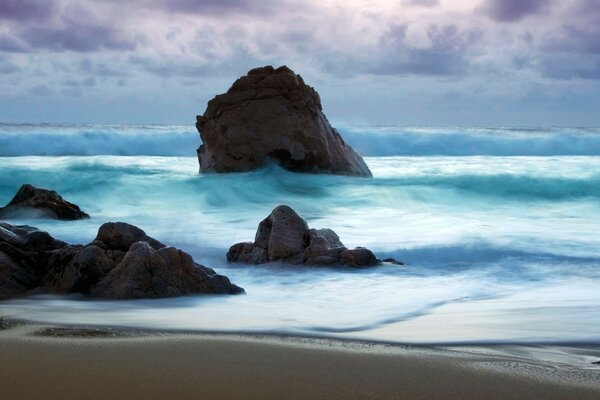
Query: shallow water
{"points": [[497, 247]]}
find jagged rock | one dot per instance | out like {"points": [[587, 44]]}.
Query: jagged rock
{"points": [[22, 257], [284, 236], [121, 263], [145, 272], [41, 203], [271, 115]]}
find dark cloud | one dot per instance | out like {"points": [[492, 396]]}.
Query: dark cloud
{"points": [[216, 6], [20, 10], [576, 39], [10, 44], [209, 7], [445, 57], [424, 62], [72, 27], [78, 37], [513, 10]]}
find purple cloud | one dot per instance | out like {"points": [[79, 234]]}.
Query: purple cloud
{"points": [[11, 45], [21, 10], [513, 10], [445, 57], [76, 37]]}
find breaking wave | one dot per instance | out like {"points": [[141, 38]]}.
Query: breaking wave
{"points": [[182, 140]]}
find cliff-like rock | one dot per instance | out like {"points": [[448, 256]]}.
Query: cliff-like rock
{"points": [[271, 115]]}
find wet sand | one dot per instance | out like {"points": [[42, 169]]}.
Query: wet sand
{"points": [[41, 362]]}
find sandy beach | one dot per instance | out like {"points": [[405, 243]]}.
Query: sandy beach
{"points": [[40, 362]]}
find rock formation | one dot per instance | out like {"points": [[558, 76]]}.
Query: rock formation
{"points": [[271, 115], [121, 263], [23, 252], [284, 236], [34, 202]]}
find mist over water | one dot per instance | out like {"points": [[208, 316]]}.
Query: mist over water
{"points": [[498, 247], [182, 140]]}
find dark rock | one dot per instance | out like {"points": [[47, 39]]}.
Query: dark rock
{"points": [[284, 236], [41, 203], [271, 115], [120, 236], [145, 273], [22, 257], [248, 252], [121, 263]]}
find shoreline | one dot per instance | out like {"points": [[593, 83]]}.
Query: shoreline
{"points": [[119, 363]]}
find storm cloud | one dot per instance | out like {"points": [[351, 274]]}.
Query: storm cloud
{"points": [[23, 10], [375, 51], [513, 10]]}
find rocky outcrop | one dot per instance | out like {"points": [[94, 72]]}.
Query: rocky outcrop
{"points": [[285, 237], [23, 252], [32, 202], [271, 115], [121, 263]]}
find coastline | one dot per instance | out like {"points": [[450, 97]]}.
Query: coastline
{"points": [[90, 363]]}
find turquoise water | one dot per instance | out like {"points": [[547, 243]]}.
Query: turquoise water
{"points": [[499, 246]]}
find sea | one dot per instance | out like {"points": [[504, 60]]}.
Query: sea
{"points": [[499, 230]]}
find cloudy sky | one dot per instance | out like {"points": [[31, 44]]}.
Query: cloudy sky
{"points": [[428, 62]]}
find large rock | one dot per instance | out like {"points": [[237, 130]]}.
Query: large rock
{"points": [[285, 237], [22, 258], [121, 263], [271, 115], [41, 203]]}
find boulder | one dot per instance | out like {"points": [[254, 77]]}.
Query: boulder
{"points": [[22, 257], [145, 272], [271, 115], [285, 237], [122, 262], [41, 203]]}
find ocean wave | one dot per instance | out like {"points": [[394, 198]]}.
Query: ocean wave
{"points": [[507, 185], [91, 140], [182, 140], [423, 141]]}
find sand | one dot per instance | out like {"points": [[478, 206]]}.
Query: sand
{"points": [[55, 363]]}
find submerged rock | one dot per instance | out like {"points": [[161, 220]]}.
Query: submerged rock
{"points": [[41, 203], [121, 263], [284, 236], [271, 115]]}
